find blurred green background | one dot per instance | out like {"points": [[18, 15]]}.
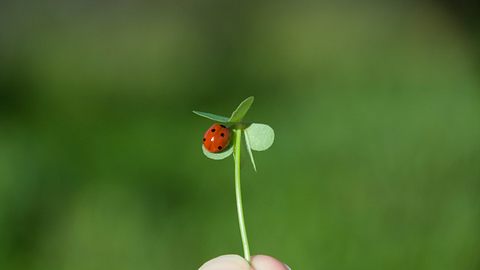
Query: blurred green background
{"points": [[376, 108]]}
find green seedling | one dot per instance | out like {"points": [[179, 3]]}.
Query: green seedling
{"points": [[258, 137]]}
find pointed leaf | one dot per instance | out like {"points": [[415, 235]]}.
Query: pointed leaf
{"points": [[241, 110], [261, 136], [219, 155], [249, 149], [211, 116]]}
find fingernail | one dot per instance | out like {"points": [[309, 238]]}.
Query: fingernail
{"points": [[287, 266]]}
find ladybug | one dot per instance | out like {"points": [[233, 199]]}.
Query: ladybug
{"points": [[216, 138]]}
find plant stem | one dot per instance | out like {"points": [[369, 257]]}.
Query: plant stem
{"points": [[238, 193]]}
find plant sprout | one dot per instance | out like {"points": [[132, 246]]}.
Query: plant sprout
{"points": [[258, 137]]}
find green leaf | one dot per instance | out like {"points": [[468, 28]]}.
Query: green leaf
{"points": [[261, 136], [211, 116], [241, 110], [247, 142], [219, 155]]}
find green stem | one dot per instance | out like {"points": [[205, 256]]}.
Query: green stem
{"points": [[238, 193]]}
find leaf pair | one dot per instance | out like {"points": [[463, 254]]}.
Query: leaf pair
{"points": [[236, 116], [258, 137]]}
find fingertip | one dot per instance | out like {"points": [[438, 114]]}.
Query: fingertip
{"points": [[226, 262], [264, 262]]}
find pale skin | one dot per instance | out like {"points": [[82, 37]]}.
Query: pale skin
{"points": [[235, 262]]}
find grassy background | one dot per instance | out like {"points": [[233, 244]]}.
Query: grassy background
{"points": [[376, 109]]}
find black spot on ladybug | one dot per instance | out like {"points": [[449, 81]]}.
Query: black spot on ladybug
{"points": [[212, 130], [203, 139], [219, 148], [221, 134], [223, 126]]}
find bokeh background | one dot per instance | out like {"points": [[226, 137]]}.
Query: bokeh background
{"points": [[376, 108]]}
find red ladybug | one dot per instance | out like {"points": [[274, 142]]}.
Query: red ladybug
{"points": [[216, 138]]}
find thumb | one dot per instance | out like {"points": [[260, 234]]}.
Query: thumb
{"points": [[226, 262], [235, 262]]}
